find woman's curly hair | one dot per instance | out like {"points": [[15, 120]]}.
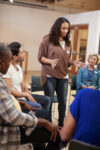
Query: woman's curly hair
{"points": [[55, 32]]}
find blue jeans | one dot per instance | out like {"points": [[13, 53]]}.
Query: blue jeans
{"points": [[34, 105], [60, 86], [44, 102]]}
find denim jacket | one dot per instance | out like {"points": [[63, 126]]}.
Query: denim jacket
{"points": [[82, 78]]}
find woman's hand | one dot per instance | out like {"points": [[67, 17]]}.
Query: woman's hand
{"points": [[84, 86], [91, 87], [54, 62], [78, 63]]}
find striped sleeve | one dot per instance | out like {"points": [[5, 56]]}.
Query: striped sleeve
{"points": [[9, 112]]}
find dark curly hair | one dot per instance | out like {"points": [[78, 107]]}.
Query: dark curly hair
{"points": [[55, 32], [15, 46]]}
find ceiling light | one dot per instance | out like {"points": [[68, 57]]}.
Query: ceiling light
{"points": [[11, 1]]}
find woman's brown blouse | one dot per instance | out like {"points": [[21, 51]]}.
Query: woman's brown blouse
{"points": [[51, 51]]}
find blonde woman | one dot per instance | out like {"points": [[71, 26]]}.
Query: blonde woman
{"points": [[88, 76]]}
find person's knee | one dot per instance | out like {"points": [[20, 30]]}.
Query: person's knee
{"points": [[47, 100]]}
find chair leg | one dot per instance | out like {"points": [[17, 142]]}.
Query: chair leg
{"points": [[27, 146], [53, 111], [69, 97]]}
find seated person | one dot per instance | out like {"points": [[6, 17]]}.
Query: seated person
{"points": [[11, 118], [88, 76], [83, 121], [14, 80]]}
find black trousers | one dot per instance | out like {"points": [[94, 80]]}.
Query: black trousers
{"points": [[40, 136]]}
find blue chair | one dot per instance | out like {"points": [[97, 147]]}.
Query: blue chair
{"points": [[78, 145], [35, 84]]}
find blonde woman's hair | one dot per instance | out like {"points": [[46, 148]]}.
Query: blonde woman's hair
{"points": [[95, 54]]}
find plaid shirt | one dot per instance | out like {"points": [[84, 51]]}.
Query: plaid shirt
{"points": [[10, 135]]}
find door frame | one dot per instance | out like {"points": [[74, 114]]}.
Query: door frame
{"points": [[76, 29]]}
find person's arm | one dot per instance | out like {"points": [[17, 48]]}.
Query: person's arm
{"points": [[43, 54], [9, 112], [79, 83], [52, 62], [76, 63], [11, 115], [17, 93], [91, 87], [13, 92], [49, 126], [27, 106], [67, 131], [24, 88], [95, 80], [70, 124]]}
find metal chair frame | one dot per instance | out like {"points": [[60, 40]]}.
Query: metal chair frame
{"points": [[78, 145], [72, 87]]}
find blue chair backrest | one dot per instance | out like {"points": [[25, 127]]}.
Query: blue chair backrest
{"points": [[35, 85]]}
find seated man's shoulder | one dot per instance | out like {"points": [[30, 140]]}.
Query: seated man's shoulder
{"points": [[10, 69]]}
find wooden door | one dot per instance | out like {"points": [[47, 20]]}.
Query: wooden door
{"points": [[79, 36]]}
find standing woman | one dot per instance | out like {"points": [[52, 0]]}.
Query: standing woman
{"points": [[54, 54]]}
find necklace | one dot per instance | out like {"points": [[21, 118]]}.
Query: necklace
{"points": [[62, 43]]}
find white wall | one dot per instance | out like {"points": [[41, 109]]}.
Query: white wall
{"points": [[93, 20], [28, 26]]}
